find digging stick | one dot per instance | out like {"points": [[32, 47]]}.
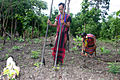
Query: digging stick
{"points": [[43, 51], [69, 28], [59, 37]]}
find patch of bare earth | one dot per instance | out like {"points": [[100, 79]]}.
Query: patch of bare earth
{"points": [[75, 66]]}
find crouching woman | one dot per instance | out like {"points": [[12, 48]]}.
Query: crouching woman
{"points": [[88, 45]]}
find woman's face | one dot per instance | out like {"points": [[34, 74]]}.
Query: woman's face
{"points": [[84, 37]]}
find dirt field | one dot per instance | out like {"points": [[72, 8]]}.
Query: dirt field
{"points": [[75, 66]]}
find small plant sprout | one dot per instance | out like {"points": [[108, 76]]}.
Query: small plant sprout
{"points": [[6, 56], [56, 68], [37, 64], [16, 47], [37, 40], [74, 48], [105, 51], [35, 54], [9, 50], [114, 67], [20, 39], [119, 52], [77, 43]]}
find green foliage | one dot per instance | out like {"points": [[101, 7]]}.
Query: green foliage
{"points": [[36, 40], [27, 39], [114, 67], [8, 39], [1, 38], [27, 13], [9, 50], [16, 47], [119, 52], [110, 28], [56, 68], [101, 4], [0, 49], [87, 20], [77, 43], [20, 39], [35, 54], [6, 56], [30, 19], [118, 13], [74, 48], [37, 64], [104, 51]]}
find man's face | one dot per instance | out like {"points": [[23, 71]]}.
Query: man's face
{"points": [[61, 9]]}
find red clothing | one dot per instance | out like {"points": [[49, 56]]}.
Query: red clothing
{"points": [[89, 44], [64, 30]]}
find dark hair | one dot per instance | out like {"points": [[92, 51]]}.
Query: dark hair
{"points": [[61, 4], [83, 34]]}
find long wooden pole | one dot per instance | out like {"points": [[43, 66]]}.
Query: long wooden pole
{"points": [[43, 51]]}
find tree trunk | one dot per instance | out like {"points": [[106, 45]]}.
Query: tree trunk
{"points": [[11, 24], [15, 27], [1, 18]]}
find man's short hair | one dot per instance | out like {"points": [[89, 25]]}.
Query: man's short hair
{"points": [[61, 4]]}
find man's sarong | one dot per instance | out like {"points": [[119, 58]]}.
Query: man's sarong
{"points": [[63, 37]]}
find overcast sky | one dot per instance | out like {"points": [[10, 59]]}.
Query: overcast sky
{"points": [[75, 5]]}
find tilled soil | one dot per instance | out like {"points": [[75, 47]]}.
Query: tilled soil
{"points": [[75, 67]]}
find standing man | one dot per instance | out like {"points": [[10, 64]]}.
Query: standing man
{"points": [[64, 32], [89, 45]]}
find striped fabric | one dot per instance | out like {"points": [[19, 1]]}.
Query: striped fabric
{"points": [[89, 43], [63, 37]]}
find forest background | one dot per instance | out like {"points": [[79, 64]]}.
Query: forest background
{"points": [[25, 18]]}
